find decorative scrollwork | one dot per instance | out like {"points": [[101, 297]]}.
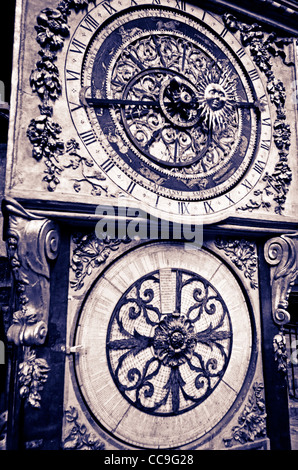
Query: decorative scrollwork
{"points": [[43, 132], [262, 48], [252, 421], [243, 254], [281, 254], [193, 124], [166, 363], [90, 252], [32, 243], [78, 437]]}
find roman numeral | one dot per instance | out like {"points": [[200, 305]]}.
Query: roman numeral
{"points": [[204, 14], [224, 32], [90, 23], [259, 166], [183, 207], [88, 137], [74, 106], [265, 145], [72, 75], [247, 184], [263, 97], [181, 5], [155, 2], [208, 208], [240, 53], [131, 187], [77, 46], [253, 74], [266, 121], [229, 199], [107, 165], [108, 7]]}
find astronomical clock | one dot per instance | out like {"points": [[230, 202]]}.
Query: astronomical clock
{"points": [[135, 124]]}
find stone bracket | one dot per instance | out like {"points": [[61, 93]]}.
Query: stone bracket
{"points": [[281, 253], [32, 243]]}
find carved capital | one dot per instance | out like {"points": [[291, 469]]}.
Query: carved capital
{"points": [[281, 254], [32, 243]]}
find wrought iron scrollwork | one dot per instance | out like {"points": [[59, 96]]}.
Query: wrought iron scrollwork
{"points": [[167, 362]]}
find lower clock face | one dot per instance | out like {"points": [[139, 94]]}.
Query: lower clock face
{"points": [[170, 109], [166, 338]]}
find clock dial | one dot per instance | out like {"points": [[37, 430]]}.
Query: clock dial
{"points": [[167, 340], [173, 115]]}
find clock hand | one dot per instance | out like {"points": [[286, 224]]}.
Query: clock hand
{"points": [[102, 102], [247, 104], [119, 102]]}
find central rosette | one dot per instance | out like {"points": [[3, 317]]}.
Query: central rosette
{"points": [[179, 102], [174, 340]]}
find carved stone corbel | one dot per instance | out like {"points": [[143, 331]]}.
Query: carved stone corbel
{"points": [[281, 254], [32, 243]]}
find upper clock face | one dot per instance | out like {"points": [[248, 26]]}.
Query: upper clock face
{"points": [[169, 110]]}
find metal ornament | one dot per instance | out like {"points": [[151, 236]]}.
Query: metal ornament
{"points": [[181, 357]]}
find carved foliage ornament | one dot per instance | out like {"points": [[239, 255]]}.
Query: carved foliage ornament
{"points": [[244, 256], [252, 421], [262, 48], [33, 373], [78, 436], [90, 252], [43, 132]]}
